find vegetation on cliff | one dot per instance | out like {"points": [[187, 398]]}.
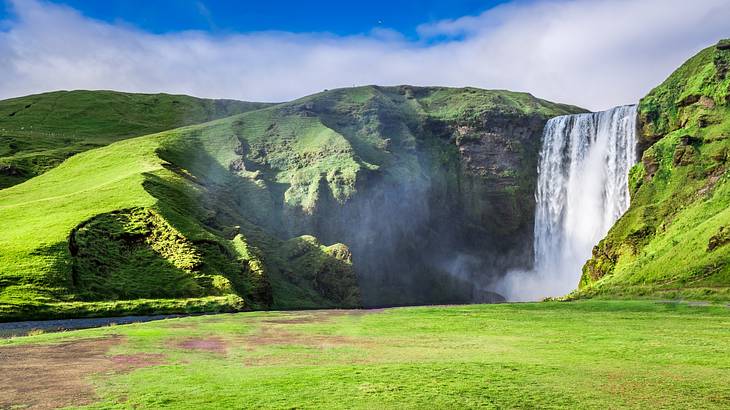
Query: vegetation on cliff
{"points": [[255, 209], [674, 239]]}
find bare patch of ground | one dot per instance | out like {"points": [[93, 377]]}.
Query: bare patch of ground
{"points": [[56, 375], [275, 330], [278, 335], [269, 335], [292, 321], [210, 344], [278, 331], [124, 362], [318, 316]]}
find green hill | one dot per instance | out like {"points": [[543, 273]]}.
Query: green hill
{"points": [[233, 214], [38, 132], [673, 240]]}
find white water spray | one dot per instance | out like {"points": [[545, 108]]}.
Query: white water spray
{"points": [[582, 190]]}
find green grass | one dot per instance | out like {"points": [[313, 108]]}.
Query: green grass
{"points": [[38, 132], [586, 354]]}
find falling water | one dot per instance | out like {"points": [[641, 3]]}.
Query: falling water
{"points": [[582, 190]]}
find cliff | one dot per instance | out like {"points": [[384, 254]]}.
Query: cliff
{"points": [[673, 240]]}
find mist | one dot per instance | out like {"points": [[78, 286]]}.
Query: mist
{"points": [[582, 190]]}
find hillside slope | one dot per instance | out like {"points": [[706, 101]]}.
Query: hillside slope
{"points": [[409, 185], [38, 132], [674, 241]]}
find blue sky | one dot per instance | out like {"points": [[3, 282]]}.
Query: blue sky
{"points": [[591, 53], [338, 17]]}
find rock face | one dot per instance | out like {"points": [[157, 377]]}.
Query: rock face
{"points": [[430, 188], [670, 241]]}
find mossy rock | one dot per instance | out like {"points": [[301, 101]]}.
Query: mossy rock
{"points": [[327, 269], [673, 237]]}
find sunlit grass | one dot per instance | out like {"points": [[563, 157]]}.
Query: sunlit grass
{"points": [[592, 354]]}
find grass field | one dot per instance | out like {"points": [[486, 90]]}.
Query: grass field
{"points": [[586, 354]]}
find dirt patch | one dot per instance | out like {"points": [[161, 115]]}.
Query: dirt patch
{"points": [[362, 312], [210, 344], [183, 326], [272, 335], [318, 316], [276, 336], [293, 321], [273, 331], [132, 361], [53, 376]]}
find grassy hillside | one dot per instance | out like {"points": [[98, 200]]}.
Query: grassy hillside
{"points": [[674, 241], [586, 354], [220, 216], [121, 224], [38, 132]]}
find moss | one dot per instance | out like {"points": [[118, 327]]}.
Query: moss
{"points": [[326, 269], [637, 174], [133, 254], [671, 239], [68, 310], [259, 286]]}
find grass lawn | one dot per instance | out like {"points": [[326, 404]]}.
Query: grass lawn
{"points": [[585, 354]]}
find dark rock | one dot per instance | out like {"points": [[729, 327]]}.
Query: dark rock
{"points": [[689, 100], [688, 140], [707, 102], [237, 165], [683, 155], [11, 170], [651, 164], [719, 239], [485, 296]]}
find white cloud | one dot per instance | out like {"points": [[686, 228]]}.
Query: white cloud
{"points": [[590, 53]]}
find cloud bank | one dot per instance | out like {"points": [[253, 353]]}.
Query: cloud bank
{"points": [[595, 54]]}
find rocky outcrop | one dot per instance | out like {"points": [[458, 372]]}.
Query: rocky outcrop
{"points": [[136, 254], [672, 240]]}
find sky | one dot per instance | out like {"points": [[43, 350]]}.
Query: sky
{"points": [[592, 53], [227, 17]]}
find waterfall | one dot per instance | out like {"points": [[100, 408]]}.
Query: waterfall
{"points": [[582, 190]]}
